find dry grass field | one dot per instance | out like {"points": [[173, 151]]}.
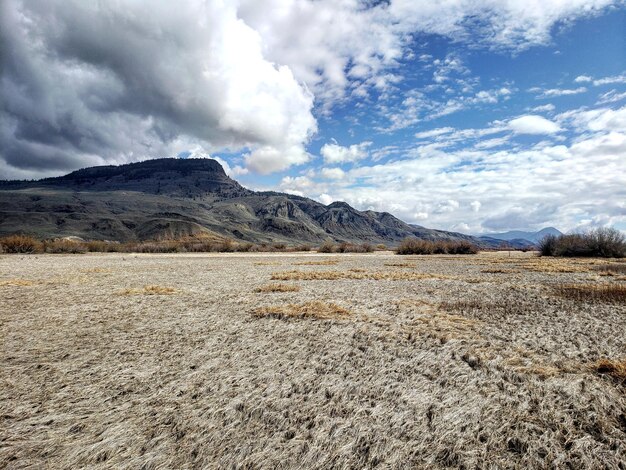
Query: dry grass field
{"points": [[311, 361]]}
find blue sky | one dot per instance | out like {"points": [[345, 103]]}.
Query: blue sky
{"points": [[469, 115]]}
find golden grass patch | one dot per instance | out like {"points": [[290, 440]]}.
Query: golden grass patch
{"points": [[16, 282], [352, 274], [267, 263], [314, 310], [326, 262], [401, 265], [277, 288], [612, 293], [149, 290]]}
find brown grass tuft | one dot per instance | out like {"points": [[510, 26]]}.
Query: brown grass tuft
{"points": [[611, 269], [20, 244], [149, 290], [614, 368], [611, 293], [315, 310], [353, 274], [277, 288], [326, 262]]}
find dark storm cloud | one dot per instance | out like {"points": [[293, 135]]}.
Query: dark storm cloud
{"points": [[86, 83]]}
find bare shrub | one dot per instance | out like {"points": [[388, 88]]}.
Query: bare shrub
{"points": [[415, 246], [100, 246], [64, 246], [610, 293], [313, 310], [604, 242], [327, 247], [277, 288], [21, 244]]}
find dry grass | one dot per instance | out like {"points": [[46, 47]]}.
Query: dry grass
{"points": [[326, 262], [400, 265], [611, 269], [16, 282], [277, 288], [314, 310], [614, 368], [358, 274], [433, 374], [499, 271], [149, 290], [611, 293]]}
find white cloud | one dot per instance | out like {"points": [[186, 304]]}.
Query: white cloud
{"points": [[475, 205], [533, 124], [612, 96], [610, 80], [433, 132], [334, 153], [332, 173], [546, 108], [325, 199], [583, 79], [556, 92]]}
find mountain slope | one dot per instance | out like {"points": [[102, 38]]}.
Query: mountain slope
{"points": [[533, 237], [174, 197]]}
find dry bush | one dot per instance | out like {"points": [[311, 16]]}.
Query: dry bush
{"points": [[614, 368], [314, 310], [327, 247], [610, 293], [99, 246], [326, 262], [277, 288], [353, 274], [64, 246], [415, 246], [354, 248], [381, 247], [601, 242], [16, 282], [149, 290], [21, 244]]}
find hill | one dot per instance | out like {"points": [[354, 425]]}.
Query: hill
{"points": [[170, 197]]}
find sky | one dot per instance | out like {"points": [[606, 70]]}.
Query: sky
{"points": [[469, 115]]}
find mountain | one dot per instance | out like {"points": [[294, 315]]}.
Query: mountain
{"points": [[166, 198], [518, 236]]}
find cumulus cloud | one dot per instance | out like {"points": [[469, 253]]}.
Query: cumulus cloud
{"points": [[334, 153], [332, 173], [533, 124], [87, 83]]}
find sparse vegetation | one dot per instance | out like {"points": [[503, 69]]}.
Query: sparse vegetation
{"points": [[600, 242], [277, 288], [314, 310], [415, 246], [325, 262]]}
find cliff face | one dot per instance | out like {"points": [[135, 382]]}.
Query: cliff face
{"points": [[173, 197]]}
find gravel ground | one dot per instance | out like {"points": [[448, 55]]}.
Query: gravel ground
{"points": [[192, 361]]}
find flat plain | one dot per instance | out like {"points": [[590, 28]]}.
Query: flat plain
{"points": [[305, 360]]}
